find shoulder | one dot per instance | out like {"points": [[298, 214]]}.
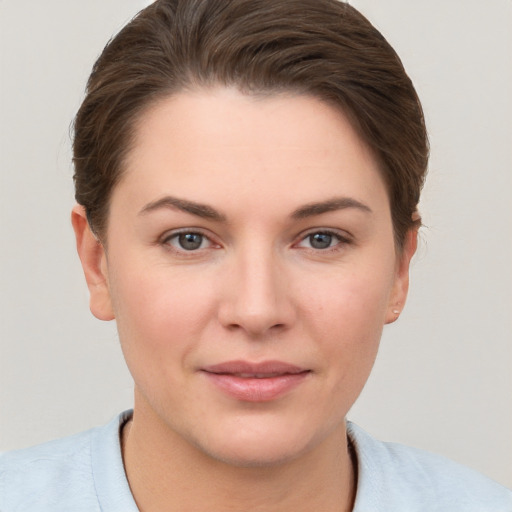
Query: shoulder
{"points": [[39, 478], [396, 477], [59, 475]]}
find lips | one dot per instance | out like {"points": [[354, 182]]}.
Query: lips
{"points": [[255, 382]]}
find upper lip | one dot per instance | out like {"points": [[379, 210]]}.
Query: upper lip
{"points": [[248, 369]]}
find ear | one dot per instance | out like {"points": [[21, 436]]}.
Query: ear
{"points": [[400, 288], [94, 263]]}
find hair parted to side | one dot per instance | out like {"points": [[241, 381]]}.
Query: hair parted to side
{"points": [[323, 48]]}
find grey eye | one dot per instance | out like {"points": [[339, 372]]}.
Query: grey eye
{"points": [[190, 241], [320, 240]]}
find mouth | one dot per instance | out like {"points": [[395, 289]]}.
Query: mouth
{"points": [[255, 382]]}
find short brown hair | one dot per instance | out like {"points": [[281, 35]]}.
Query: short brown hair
{"points": [[323, 48]]}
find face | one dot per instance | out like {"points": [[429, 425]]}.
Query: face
{"points": [[250, 267]]}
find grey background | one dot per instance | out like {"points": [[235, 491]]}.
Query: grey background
{"points": [[443, 377]]}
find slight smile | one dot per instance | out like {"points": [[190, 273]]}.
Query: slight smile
{"points": [[255, 382]]}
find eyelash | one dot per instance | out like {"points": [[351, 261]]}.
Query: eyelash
{"points": [[342, 240], [168, 237]]}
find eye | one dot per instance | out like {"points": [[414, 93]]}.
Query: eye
{"points": [[188, 241], [321, 240]]}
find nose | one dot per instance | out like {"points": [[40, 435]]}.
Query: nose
{"points": [[257, 296]]}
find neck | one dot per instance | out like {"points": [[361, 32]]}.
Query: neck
{"points": [[167, 473]]}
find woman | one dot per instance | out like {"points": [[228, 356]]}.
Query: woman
{"points": [[247, 176]]}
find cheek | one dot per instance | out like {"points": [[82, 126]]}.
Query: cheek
{"points": [[346, 320], [159, 314], [354, 303]]}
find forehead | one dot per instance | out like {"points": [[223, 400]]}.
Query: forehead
{"points": [[221, 141], [246, 121]]}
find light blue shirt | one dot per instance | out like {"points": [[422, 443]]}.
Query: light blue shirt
{"points": [[85, 473]]}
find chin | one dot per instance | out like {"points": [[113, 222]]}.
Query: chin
{"points": [[250, 447], [256, 456]]}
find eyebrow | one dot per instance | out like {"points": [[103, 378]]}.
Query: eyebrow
{"points": [[336, 203], [201, 210], [207, 212]]}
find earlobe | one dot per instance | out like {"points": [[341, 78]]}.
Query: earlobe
{"points": [[93, 258], [400, 289]]}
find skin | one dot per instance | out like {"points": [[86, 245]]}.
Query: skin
{"points": [[258, 288]]}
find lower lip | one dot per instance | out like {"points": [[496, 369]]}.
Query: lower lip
{"points": [[256, 390]]}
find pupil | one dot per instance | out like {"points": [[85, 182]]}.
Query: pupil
{"points": [[320, 240], [190, 241]]}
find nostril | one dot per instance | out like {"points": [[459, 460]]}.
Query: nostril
{"points": [[256, 329], [256, 306]]}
